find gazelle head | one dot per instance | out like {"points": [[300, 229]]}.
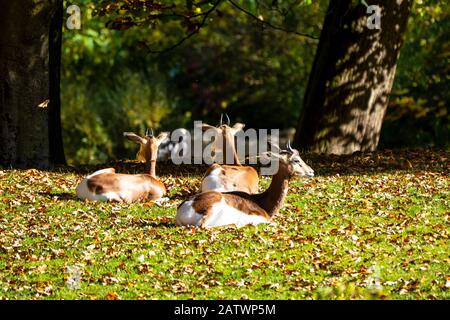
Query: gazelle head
{"points": [[225, 130], [225, 134], [149, 144], [291, 163]]}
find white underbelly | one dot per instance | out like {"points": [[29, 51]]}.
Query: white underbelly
{"points": [[186, 215], [223, 214], [84, 193]]}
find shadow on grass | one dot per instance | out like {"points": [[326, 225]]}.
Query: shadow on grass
{"points": [[184, 195], [59, 195], [164, 222], [385, 161], [359, 163]]}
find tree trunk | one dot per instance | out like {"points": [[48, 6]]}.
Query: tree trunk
{"points": [[54, 112], [352, 77], [30, 129]]}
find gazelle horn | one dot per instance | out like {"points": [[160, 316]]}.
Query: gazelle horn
{"points": [[228, 119], [289, 146]]}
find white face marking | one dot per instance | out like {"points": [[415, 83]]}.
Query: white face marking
{"points": [[300, 167]]}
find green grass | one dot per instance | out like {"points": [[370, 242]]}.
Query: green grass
{"points": [[367, 226]]}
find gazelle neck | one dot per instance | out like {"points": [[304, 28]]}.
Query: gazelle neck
{"points": [[273, 198], [229, 147], [151, 168], [150, 163]]}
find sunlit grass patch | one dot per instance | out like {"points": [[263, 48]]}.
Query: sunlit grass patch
{"points": [[341, 235]]}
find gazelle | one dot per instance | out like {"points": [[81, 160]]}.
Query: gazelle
{"points": [[233, 176], [212, 208], [107, 185]]}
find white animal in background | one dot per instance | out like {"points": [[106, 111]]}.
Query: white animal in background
{"points": [[107, 185]]}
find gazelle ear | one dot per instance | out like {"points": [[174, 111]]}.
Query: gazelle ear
{"points": [[134, 137], [162, 136], [237, 127], [206, 126]]}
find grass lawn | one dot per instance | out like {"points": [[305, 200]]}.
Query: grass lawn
{"points": [[367, 226]]}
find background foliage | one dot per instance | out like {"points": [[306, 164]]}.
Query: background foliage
{"points": [[112, 82], [418, 112]]}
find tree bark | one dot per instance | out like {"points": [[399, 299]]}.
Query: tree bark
{"points": [[54, 112], [30, 126], [352, 77]]}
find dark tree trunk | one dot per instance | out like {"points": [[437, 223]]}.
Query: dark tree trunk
{"points": [[30, 129], [351, 78], [54, 111]]}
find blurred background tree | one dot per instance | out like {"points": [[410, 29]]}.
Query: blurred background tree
{"points": [[119, 72], [418, 113], [30, 51]]}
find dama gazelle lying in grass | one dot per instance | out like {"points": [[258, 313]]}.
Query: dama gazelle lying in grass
{"points": [[212, 208], [232, 176], [106, 185]]}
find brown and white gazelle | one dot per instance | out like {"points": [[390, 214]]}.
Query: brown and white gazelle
{"points": [[106, 185], [212, 208], [233, 176]]}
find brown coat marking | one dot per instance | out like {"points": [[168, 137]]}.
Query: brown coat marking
{"points": [[242, 202], [242, 178], [234, 176], [203, 202]]}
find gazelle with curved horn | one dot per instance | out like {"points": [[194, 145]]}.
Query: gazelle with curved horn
{"points": [[231, 176], [213, 209], [140, 155], [107, 185], [221, 119]]}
